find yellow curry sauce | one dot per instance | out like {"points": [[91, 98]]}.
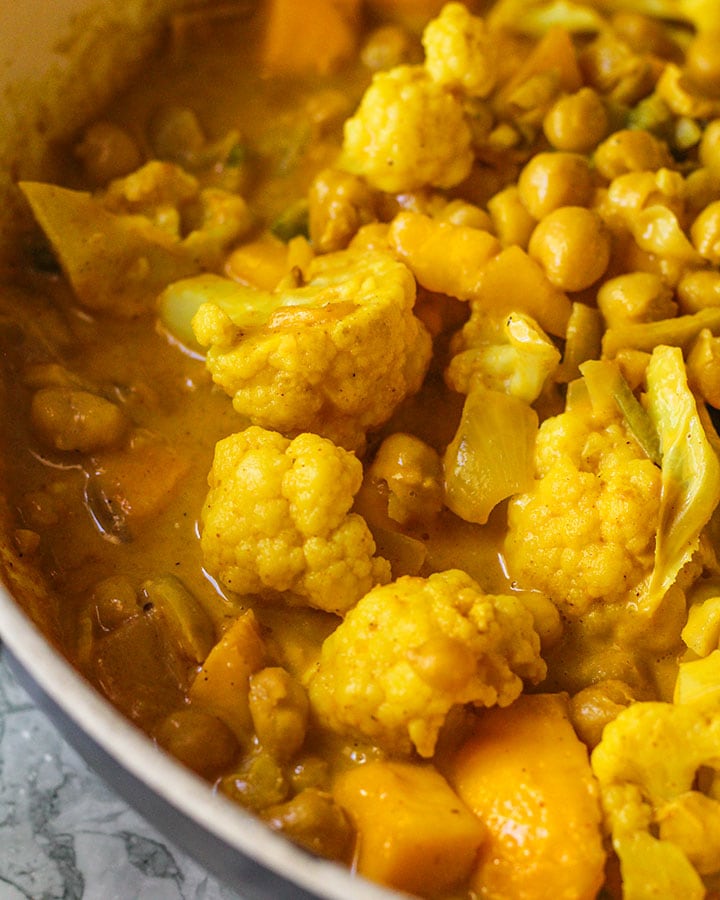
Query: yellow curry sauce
{"points": [[362, 424]]}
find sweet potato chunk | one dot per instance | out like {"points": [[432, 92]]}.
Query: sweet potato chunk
{"points": [[526, 775], [222, 684], [329, 30], [414, 832]]}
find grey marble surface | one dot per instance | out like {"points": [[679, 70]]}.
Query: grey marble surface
{"points": [[64, 834]]}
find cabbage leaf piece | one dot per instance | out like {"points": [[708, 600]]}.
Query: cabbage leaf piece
{"points": [[114, 262], [690, 470]]}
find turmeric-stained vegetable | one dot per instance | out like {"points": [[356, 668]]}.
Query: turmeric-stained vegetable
{"points": [[445, 258], [329, 30], [279, 710], [511, 354], [260, 263], [647, 764], [408, 132], [412, 650], [221, 686], [690, 469], [609, 391], [185, 620], [562, 538], [113, 263], [69, 419], [491, 456], [277, 521], [411, 473], [527, 777], [413, 832], [680, 331], [553, 56], [698, 682], [198, 739], [136, 481], [315, 821], [514, 282], [582, 340], [334, 354]]}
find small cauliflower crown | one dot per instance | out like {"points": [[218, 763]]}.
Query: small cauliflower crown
{"points": [[662, 813], [459, 51], [334, 355], [587, 529], [408, 132], [277, 520], [411, 650]]}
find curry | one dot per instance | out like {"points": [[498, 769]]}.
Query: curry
{"points": [[361, 382]]}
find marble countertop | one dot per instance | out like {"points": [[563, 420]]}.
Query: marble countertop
{"points": [[65, 834]]}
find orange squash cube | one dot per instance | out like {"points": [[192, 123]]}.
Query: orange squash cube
{"points": [[414, 832]]}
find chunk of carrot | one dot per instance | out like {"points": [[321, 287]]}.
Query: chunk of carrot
{"points": [[312, 36], [526, 775]]}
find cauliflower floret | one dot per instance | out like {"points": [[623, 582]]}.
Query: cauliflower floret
{"points": [[408, 132], [603, 521], [586, 531], [335, 355], [665, 830], [276, 519], [411, 650], [204, 221], [459, 51], [510, 354]]}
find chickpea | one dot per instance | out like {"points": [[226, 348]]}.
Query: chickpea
{"points": [[279, 708], [552, 180], [261, 782], [512, 222], [199, 740], [645, 35], [592, 708], [67, 419], [546, 617], [635, 297], [573, 247], [709, 150], [702, 62], [698, 289], [339, 205], [115, 601], [389, 46], [313, 820], [106, 152], [631, 151], [176, 134], [702, 187], [412, 471], [705, 233], [576, 122], [310, 771], [459, 212]]}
